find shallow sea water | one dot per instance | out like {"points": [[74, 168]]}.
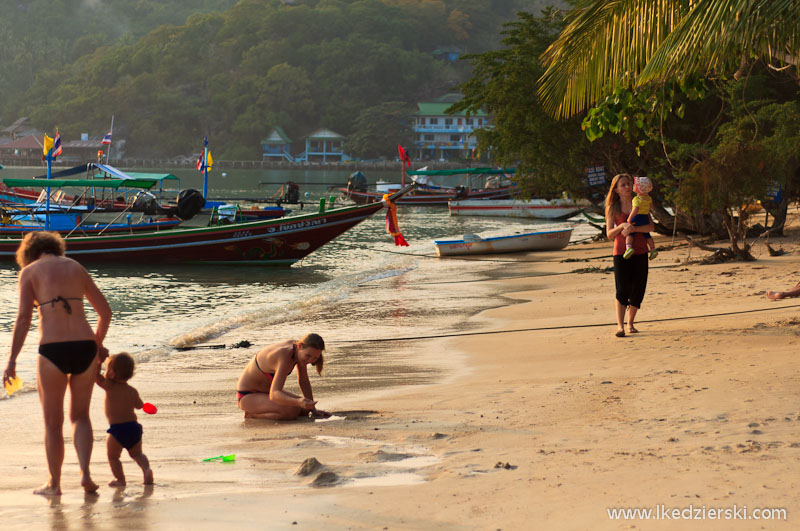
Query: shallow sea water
{"points": [[358, 287]]}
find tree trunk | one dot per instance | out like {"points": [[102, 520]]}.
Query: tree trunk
{"points": [[704, 224]]}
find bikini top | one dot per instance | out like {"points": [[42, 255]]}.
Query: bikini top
{"points": [[271, 375], [60, 299]]}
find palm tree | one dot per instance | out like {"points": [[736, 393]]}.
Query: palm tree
{"points": [[612, 43]]}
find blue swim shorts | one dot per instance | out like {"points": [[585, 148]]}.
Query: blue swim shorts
{"points": [[128, 434]]}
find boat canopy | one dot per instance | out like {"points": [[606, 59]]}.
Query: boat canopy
{"points": [[463, 171], [113, 172], [119, 174], [145, 184]]}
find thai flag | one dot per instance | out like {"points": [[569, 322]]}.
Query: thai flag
{"points": [[106, 139], [57, 145], [202, 163]]}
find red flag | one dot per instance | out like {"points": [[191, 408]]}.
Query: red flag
{"points": [[404, 155]]}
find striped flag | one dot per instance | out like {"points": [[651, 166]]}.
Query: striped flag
{"points": [[205, 161], [57, 145], [106, 139]]}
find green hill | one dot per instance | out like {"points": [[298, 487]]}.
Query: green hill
{"points": [[233, 73]]}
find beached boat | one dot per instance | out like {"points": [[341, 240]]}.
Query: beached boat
{"points": [[69, 225], [530, 241], [517, 208], [278, 242], [437, 187], [23, 194]]}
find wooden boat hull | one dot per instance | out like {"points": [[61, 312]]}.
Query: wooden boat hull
{"points": [[94, 228], [279, 242], [427, 198], [516, 208], [531, 241]]}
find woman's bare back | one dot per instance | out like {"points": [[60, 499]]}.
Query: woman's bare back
{"points": [[58, 286]]}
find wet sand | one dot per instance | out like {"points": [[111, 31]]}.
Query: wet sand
{"points": [[545, 427]]}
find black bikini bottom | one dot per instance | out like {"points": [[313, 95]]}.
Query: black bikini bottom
{"points": [[71, 357]]}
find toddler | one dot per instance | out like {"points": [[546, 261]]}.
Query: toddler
{"points": [[640, 215], [125, 432]]}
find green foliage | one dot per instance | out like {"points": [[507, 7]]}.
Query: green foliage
{"points": [[232, 71], [639, 114], [550, 155], [379, 129]]}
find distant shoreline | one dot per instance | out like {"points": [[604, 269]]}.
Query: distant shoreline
{"points": [[244, 164]]}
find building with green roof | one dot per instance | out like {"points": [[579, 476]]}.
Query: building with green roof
{"points": [[442, 136]]}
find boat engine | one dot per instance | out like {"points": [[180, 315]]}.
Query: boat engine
{"points": [[144, 202], [190, 202], [292, 193], [357, 182]]}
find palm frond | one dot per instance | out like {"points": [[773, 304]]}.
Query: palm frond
{"points": [[605, 45], [715, 34], [613, 43]]}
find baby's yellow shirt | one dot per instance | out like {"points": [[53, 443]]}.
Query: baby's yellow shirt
{"points": [[643, 202]]}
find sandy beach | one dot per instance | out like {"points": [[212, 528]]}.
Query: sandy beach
{"points": [[546, 424]]}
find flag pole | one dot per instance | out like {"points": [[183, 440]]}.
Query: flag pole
{"points": [[204, 167], [205, 172], [49, 158], [108, 153]]}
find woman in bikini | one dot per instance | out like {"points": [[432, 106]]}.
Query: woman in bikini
{"points": [[260, 392], [68, 348]]}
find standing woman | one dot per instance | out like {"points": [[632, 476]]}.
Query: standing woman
{"points": [[630, 276], [68, 348]]}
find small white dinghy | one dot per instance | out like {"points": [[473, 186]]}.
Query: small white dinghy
{"points": [[552, 240], [517, 208]]}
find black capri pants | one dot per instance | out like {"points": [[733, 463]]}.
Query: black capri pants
{"points": [[630, 277]]}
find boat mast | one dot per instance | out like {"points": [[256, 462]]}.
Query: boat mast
{"points": [[110, 132]]}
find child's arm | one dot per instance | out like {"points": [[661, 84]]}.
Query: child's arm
{"points": [[99, 378], [137, 401], [634, 213]]}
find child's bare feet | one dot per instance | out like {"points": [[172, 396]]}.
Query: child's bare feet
{"points": [[774, 295], [116, 483], [48, 490], [148, 476], [89, 486]]}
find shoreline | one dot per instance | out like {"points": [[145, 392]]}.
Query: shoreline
{"points": [[695, 411]]}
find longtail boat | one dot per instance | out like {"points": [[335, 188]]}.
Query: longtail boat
{"points": [[277, 242], [518, 208], [433, 187]]}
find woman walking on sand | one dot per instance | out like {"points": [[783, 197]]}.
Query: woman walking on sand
{"points": [[260, 392], [68, 348], [630, 276]]}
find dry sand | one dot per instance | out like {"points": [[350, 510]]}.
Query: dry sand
{"points": [[534, 429]]}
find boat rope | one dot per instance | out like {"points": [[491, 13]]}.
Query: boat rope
{"points": [[514, 331], [564, 327], [461, 258]]}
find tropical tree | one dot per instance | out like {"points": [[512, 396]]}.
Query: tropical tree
{"points": [[379, 129], [608, 44], [550, 155], [642, 62]]}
